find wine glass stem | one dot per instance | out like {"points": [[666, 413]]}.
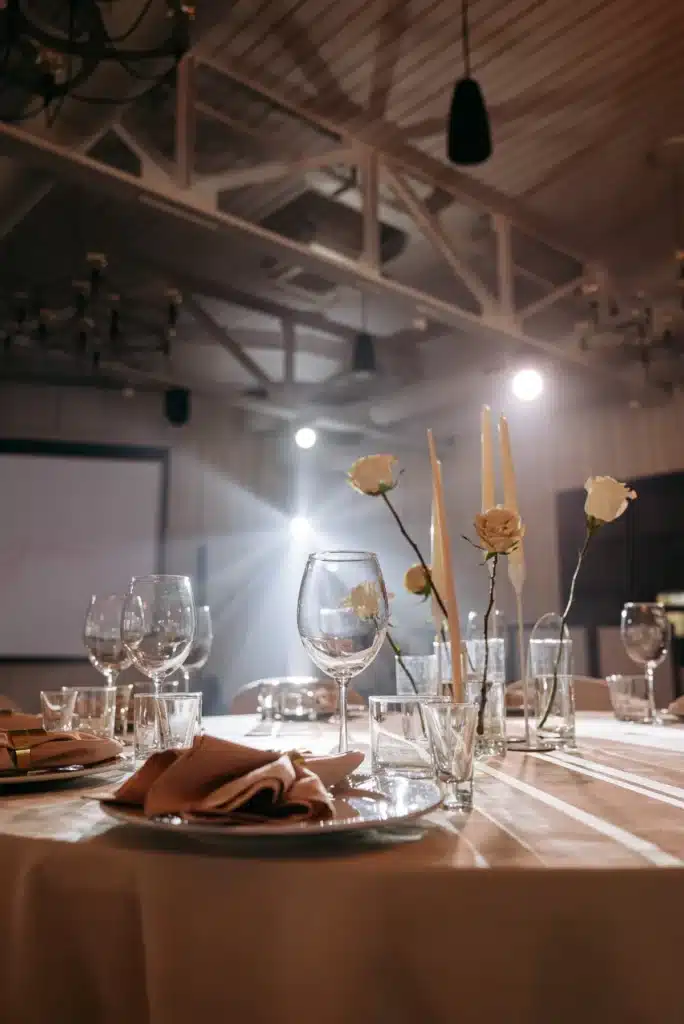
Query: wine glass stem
{"points": [[111, 676], [186, 679], [652, 715], [343, 684]]}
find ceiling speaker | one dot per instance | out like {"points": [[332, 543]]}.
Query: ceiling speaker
{"points": [[177, 406]]}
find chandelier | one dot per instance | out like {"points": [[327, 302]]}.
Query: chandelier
{"points": [[88, 320], [50, 49], [642, 331]]}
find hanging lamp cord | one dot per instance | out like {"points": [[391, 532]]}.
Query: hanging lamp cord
{"points": [[465, 37]]}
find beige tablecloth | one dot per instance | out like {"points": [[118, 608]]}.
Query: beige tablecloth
{"points": [[561, 899]]}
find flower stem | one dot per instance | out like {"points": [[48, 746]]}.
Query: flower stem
{"points": [[426, 569], [397, 654], [564, 620], [483, 688]]}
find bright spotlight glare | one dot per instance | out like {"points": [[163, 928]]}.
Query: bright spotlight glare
{"points": [[300, 528], [527, 385], [305, 437]]}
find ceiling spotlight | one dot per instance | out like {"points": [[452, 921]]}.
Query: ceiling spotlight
{"points": [[300, 528], [305, 437], [527, 385]]}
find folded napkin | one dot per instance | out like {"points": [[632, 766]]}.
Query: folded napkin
{"points": [[231, 784], [12, 719], [39, 749]]}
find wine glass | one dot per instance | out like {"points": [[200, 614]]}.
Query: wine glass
{"points": [[158, 624], [198, 654], [342, 617], [645, 631], [102, 636]]}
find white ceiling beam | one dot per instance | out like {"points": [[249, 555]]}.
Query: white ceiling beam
{"points": [[185, 121], [183, 204], [369, 196], [551, 298], [415, 162], [504, 264], [153, 165], [289, 348], [222, 338], [261, 174], [433, 231]]}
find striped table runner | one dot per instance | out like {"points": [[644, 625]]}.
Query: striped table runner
{"points": [[617, 801]]}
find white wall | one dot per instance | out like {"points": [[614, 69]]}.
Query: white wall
{"points": [[554, 452], [237, 490]]}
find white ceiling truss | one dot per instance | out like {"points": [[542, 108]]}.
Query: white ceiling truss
{"points": [[175, 189]]}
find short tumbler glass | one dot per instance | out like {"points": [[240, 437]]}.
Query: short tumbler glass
{"points": [[95, 709], [398, 735], [57, 707], [146, 731], [179, 719], [629, 696], [452, 729]]}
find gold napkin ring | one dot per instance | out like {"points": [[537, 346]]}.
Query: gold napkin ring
{"points": [[22, 757]]}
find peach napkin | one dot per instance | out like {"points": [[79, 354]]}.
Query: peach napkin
{"points": [[231, 784], [12, 719], [25, 751]]}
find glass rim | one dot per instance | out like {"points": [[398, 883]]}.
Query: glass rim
{"points": [[167, 696], [59, 693], [644, 604], [88, 689], [157, 577], [343, 555]]}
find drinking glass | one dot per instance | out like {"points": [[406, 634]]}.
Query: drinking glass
{"points": [[452, 729], [629, 698], [94, 709], [102, 636], [398, 735], [198, 655], [146, 731], [645, 632], [158, 624], [179, 718], [124, 692], [57, 707], [342, 616]]}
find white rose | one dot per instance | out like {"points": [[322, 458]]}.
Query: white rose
{"points": [[363, 600], [499, 529], [607, 498], [373, 474]]}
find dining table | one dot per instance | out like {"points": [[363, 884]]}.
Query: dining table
{"points": [[559, 898]]}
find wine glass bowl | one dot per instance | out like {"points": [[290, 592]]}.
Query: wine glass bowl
{"points": [[342, 617], [199, 652], [102, 636], [645, 632], [158, 624]]}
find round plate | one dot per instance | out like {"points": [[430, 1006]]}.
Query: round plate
{"points": [[39, 776], [377, 803]]}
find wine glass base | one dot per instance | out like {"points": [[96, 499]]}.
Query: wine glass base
{"points": [[522, 746]]}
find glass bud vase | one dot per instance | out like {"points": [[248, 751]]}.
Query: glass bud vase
{"points": [[491, 740], [551, 683]]}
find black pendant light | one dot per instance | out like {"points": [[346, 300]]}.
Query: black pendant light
{"points": [[469, 138], [363, 353]]}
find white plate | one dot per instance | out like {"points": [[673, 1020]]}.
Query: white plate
{"points": [[38, 776], [378, 803]]}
